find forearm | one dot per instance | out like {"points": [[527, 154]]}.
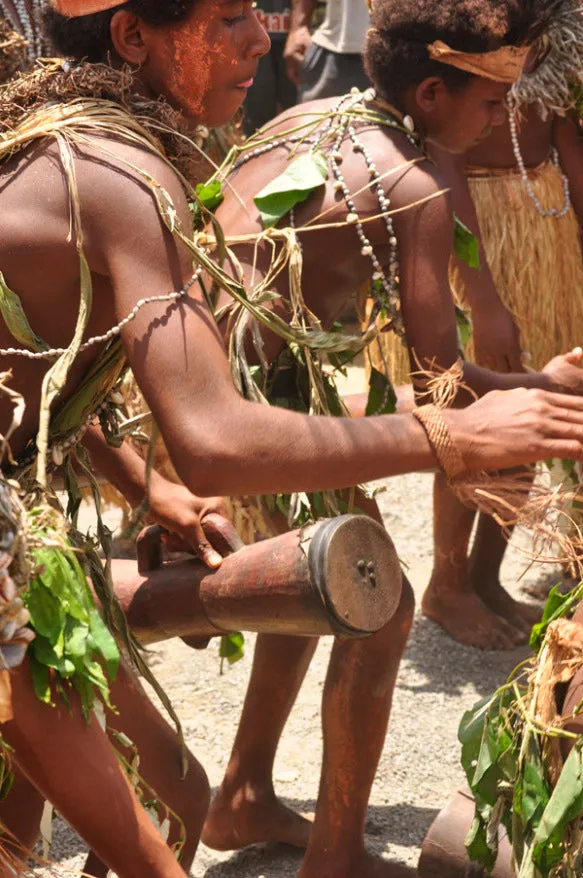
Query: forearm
{"points": [[266, 450], [482, 381], [301, 13], [123, 467]]}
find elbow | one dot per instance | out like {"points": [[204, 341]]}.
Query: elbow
{"points": [[209, 469]]}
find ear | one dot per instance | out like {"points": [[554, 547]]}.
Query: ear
{"points": [[128, 39], [428, 93]]}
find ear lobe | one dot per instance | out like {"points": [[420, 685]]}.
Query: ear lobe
{"points": [[128, 39], [427, 93]]}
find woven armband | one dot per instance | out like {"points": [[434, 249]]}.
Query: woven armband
{"points": [[447, 453]]}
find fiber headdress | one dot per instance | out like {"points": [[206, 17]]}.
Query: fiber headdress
{"points": [[555, 83], [503, 65], [77, 8]]}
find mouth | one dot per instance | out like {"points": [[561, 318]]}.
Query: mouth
{"points": [[247, 83]]}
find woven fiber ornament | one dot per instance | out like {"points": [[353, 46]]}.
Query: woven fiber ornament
{"points": [[76, 8]]}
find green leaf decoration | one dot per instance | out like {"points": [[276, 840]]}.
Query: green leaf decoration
{"points": [[303, 176], [232, 648], [40, 679], [382, 399], [464, 324], [210, 194], [465, 244], [566, 801], [557, 606], [71, 637], [16, 320]]}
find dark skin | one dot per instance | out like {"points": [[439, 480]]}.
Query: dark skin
{"points": [[458, 571], [218, 442], [246, 809]]}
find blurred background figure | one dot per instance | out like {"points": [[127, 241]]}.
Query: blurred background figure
{"points": [[272, 90], [329, 61]]}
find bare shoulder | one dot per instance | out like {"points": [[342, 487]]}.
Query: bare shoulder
{"points": [[130, 173]]}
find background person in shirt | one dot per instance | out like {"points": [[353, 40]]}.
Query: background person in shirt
{"points": [[329, 62]]}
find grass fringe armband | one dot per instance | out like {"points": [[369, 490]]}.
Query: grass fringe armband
{"points": [[448, 454]]}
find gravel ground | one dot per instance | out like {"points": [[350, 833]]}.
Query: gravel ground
{"points": [[419, 768]]}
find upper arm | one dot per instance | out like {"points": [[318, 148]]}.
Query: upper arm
{"points": [[173, 347], [425, 235], [569, 143], [478, 283]]}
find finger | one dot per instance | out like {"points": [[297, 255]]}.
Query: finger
{"points": [[564, 401], [209, 555], [575, 356], [203, 548]]}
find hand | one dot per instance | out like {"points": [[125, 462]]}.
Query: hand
{"points": [[496, 339], [298, 43], [565, 372], [183, 514], [514, 427]]}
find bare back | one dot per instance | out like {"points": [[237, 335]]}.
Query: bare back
{"points": [[333, 266]]}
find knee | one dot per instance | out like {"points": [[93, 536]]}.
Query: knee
{"points": [[406, 609], [197, 792], [391, 639]]}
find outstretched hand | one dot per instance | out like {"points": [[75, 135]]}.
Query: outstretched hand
{"points": [[514, 427], [183, 514], [565, 372]]}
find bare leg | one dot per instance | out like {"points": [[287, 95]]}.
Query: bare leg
{"points": [[20, 814], [484, 571], [160, 766], [245, 809], [357, 700], [72, 764], [450, 598]]}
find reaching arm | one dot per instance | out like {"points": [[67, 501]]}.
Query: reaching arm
{"points": [[171, 505], [495, 334], [299, 37], [568, 140], [222, 444], [426, 235]]}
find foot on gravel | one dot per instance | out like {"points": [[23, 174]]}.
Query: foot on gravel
{"points": [[468, 620], [249, 816], [521, 615], [365, 866]]}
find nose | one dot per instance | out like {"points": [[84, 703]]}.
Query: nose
{"points": [[259, 43]]}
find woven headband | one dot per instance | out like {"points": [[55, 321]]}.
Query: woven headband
{"points": [[77, 8], [503, 65]]}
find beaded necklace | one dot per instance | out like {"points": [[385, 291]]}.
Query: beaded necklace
{"points": [[340, 125], [60, 448], [555, 212]]}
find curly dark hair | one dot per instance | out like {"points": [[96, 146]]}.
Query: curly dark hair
{"points": [[89, 36], [396, 55]]}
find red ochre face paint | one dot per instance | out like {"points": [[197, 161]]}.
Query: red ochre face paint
{"points": [[211, 58]]}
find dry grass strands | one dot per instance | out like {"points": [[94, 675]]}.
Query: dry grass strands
{"points": [[561, 657]]}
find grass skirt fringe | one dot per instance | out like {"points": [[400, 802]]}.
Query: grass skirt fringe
{"points": [[536, 263]]}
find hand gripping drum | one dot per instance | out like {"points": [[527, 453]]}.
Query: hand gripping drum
{"points": [[338, 576]]}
